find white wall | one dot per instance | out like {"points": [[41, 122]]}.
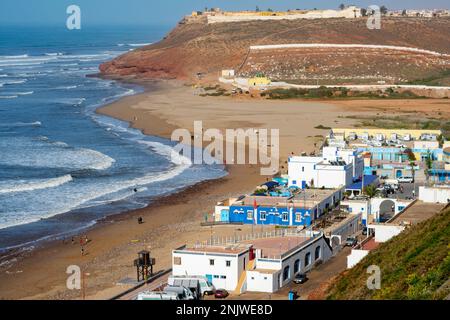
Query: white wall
{"points": [[375, 204], [333, 176], [434, 194], [302, 169], [358, 207], [384, 232], [355, 257], [349, 12], [218, 212], [197, 264], [261, 282], [350, 156]]}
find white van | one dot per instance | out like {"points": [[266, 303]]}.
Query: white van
{"points": [[206, 287], [405, 180]]}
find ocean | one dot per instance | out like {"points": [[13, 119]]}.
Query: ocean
{"points": [[62, 166]]}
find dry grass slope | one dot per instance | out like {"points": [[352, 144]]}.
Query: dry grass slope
{"points": [[208, 48], [414, 265]]}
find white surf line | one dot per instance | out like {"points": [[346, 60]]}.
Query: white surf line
{"points": [[332, 45]]}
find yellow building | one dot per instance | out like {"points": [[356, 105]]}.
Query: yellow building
{"points": [[387, 133], [259, 81]]}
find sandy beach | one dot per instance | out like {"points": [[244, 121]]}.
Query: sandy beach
{"points": [[175, 220]]}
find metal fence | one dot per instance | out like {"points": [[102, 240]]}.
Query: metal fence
{"points": [[238, 238]]}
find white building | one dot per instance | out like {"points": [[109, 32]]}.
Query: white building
{"points": [[385, 232], [357, 206], [436, 194], [222, 266], [371, 209], [229, 73], [334, 169], [271, 273], [426, 144], [264, 264], [347, 155]]}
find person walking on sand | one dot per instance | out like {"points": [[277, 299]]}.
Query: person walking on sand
{"points": [[82, 250]]}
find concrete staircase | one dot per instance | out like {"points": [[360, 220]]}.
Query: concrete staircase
{"points": [[243, 277]]}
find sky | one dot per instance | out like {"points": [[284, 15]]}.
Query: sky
{"points": [[165, 12]]}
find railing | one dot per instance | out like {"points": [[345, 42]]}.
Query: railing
{"points": [[232, 240]]}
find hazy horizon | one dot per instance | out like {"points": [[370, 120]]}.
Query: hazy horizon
{"points": [[142, 12]]}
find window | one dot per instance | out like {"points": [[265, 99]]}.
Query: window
{"points": [[223, 277], [294, 182], [216, 276], [307, 259], [286, 273], [228, 263], [303, 169], [265, 278], [250, 214], [253, 278], [298, 217], [211, 262], [317, 253], [296, 266], [177, 261], [263, 215], [284, 216]]}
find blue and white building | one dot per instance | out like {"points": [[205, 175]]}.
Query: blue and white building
{"points": [[301, 209]]}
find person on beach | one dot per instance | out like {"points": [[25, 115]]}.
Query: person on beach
{"points": [[82, 250]]}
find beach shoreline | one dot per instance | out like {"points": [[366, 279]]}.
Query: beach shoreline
{"points": [[21, 255], [174, 220]]}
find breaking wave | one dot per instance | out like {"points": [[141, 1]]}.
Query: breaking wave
{"points": [[31, 185]]}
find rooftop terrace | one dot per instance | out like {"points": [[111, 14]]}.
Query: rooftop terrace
{"points": [[306, 198]]}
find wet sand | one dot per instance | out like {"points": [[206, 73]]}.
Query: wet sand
{"points": [[175, 220]]}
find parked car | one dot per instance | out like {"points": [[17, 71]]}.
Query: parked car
{"points": [[350, 242], [221, 294], [300, 278], [405, 180]]}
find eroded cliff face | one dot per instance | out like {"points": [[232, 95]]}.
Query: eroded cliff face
{"points": [[198, 47]]}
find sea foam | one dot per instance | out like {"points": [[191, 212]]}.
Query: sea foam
{"points": [[31, 185]]}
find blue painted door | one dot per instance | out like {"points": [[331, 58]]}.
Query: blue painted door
{"points": [[209, 277], [225, 215]]}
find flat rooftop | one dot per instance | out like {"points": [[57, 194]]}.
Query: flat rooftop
{"points": [[417, 213], [271, 247], [277, 246], [306, 198], [223, 249]]}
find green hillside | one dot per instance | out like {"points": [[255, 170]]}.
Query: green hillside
{"points": [[414, 265]]}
